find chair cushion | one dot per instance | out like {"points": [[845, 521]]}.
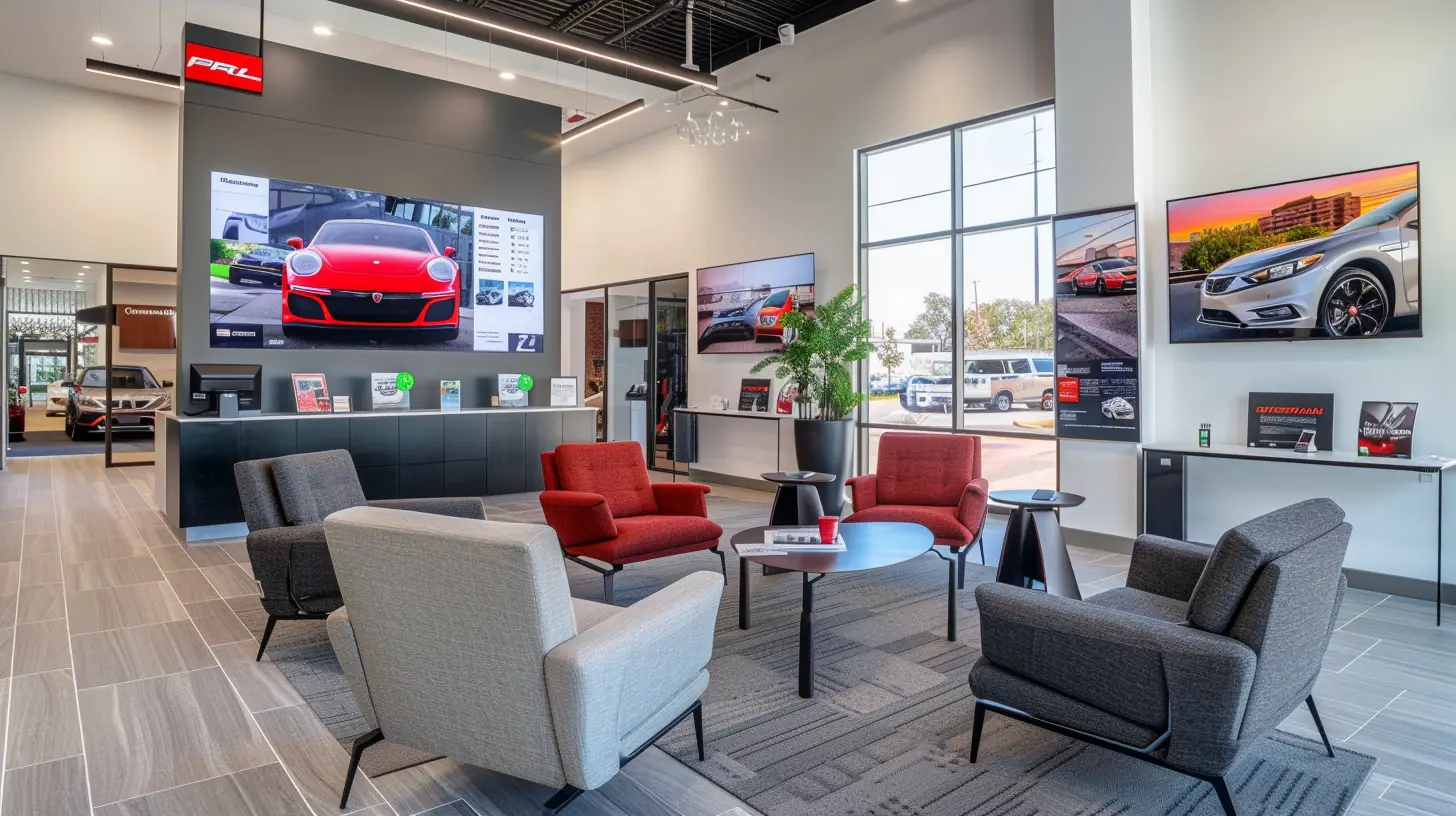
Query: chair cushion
{"points": [[941, 521], [643, 537], [1245, 550], [1138, 602], [926, 469], [614, 470], [313, 485]]}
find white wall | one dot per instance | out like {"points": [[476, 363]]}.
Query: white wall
{"points": [[86, 175], [656, 206]]}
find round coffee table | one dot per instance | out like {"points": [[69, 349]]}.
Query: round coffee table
{"points": [[868, 545], [797, 500], [1034, 549]]}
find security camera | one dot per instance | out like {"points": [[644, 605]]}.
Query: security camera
{"points": [[786, 34]]}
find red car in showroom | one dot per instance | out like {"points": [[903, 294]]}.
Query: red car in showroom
{"points": [[1110, 275], [363, 274]]}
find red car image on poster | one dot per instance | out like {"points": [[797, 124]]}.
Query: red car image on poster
{"points": [[359, 273]]}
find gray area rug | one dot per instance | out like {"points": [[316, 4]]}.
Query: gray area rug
{"points": [[888, 732]]}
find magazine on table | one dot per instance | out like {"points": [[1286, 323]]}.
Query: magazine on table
{"points": [[802, 539], [754, 550]]}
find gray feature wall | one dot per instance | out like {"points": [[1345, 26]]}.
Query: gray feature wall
{"points": [[326, 120]]}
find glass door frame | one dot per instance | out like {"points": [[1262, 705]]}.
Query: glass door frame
{"points": [[652, 363], [111, 341]]}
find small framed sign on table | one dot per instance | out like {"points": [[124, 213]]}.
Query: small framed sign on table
{"points": [[563, 392]]}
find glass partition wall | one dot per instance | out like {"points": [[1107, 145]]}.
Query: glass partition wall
{"points": [[955, 262]]}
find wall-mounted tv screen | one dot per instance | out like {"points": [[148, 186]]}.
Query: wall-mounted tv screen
{"points": [[741, 306], [307, 266], [1330, 257]]}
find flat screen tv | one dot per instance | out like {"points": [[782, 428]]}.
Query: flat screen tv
{"points": [[741, 306], [1329, 257], [309, 266]]}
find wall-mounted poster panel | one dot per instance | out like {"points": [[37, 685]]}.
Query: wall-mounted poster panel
{"points": [[1096, 273], [308, 266], [146, 327]]}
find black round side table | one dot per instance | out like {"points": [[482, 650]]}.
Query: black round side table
{"points": [[796, 502], [1034, 549]]}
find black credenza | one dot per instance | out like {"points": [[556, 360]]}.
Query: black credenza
{"points": [[416, 454]]}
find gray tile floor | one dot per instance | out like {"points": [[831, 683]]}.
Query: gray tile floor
{"points": [[127, 685]]}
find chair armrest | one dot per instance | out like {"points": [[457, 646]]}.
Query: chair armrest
{"points": [[292, 566], [972, 510], [467, 507], [1124, 664], [862, 491], [346, 648], [617, 675], [1166, 566], [681, 499], [578, 518]]}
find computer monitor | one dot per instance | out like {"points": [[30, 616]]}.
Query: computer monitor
{"points": [[231, 389]]}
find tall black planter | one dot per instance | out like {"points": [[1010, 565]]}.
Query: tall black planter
{"points": [[822, 445]]}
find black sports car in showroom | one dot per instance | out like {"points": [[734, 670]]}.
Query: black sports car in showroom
{"points": [[136, 397], [260, 266]]}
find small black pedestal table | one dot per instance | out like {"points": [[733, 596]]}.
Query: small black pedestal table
{"points": [[796, 502], [868, 545], [1034, 550]]}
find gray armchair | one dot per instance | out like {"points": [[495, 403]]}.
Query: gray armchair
{"points": [[284, 502], [461, 638], [1202, 653]]}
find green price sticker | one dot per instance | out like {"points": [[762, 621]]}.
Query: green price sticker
{"points": [[405, 381], [526, 382]]}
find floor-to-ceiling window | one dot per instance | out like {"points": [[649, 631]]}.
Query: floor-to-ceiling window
{"points": [[956, 266]]}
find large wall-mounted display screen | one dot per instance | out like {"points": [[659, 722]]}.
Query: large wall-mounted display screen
{"points": [[741, 306], [1329, 257], [1096, 259], [297, 265]]}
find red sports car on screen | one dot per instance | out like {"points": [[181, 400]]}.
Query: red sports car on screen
{"points": [[362, 274], [1110, 275]]}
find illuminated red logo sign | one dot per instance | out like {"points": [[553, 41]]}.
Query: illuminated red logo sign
{"points": [[229, 69]]}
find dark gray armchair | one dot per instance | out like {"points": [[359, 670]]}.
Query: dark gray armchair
{"points": [[1202, 653], [285, 501]]}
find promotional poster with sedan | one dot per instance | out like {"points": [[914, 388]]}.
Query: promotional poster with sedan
{"points": [[1096, 273], [297, 265], [1330, 257]]}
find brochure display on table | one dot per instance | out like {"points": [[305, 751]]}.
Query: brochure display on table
{"points": [[311, 393], [1289, 420], [387, 392], [1386, 429], [1096, 325], [512, 391], [563, 392], [753, 395], [449, 395]]}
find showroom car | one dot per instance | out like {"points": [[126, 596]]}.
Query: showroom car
{"points": [[524, 297], [488, 297], [136, 397], [58, 392], [732, 324], [1102, 277], [1348, 283], [245, 227], [371, 274], [997, 380], [1118, 408], [767, 324], [259, 266]]}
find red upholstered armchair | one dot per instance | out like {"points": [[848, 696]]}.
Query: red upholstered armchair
{"points": [[604, 509], [929, 479]]}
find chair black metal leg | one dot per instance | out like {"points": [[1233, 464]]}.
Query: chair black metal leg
{"points": [[561, 799], [1225, 797], [698, 729], [981, 539], [976, 731], [609, 589], [1314, 712], [355, 754], [961, 566], [950, 604], [267, 633], [743, 616], [722, 563]]}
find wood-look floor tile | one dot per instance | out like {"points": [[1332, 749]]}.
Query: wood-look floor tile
{"points": [[99, 545], [172, 558], [41, 543], [40, 568], [1413, 739], [230, 581], [691, 792], [9, 577], [315, 759], [88, 575], [191, 586], [43, 722], [207, 555], [40, 603], [237, 550], [261, 685], [41, 647], [163, 732], [264, 791], [157, 536], [55, 788], [139, 652], [115, 607], [12, 539], [457, 808], [218, 623]]}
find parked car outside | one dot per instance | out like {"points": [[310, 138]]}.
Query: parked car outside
{"points": [[1348, 283], [136, 397], [996, 380], [259, 266]]}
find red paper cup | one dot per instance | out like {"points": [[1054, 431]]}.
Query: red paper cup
{"points": [[828, 529]]}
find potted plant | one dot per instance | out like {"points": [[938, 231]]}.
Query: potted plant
{"points": [[818, 352]]}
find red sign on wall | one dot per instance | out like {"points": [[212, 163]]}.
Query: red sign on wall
{"points": [[1069, 389], [230, 69]]}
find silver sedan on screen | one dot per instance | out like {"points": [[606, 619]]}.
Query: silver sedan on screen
{"points": [[1347, 283]]}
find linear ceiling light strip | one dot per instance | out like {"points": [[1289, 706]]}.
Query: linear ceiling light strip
{"points": [[552, 38], [97, 66], [604, 120]]}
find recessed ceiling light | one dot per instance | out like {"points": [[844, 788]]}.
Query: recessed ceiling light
{"points": [[101, 40], [83, 266], [82, 274], [25, 263], [722, 103], [507, 75], [323, 31]]}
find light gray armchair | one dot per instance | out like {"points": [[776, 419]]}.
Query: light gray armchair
{"points": [[1202, 653], [461, 638]]}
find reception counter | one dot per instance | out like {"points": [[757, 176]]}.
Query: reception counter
{"points": [[403, 454]]}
